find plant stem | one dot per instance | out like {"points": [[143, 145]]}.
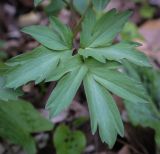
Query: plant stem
{"points": [[78, 26]]}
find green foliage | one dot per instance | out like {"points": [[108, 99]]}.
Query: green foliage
{"points": [[54, 7], [18, 120], [69, 142], [102, 31], [130, 32], [103, 111], [7, 93], [96, 65], [99, 5], [57, 37], [147, 11], [68, 85], [151, 80], [116, 52], [37, 2], [80, 5], [3, 55], [33, 66], [146, 115]]}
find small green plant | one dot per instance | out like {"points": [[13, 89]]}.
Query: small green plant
{"points": [[68, 141], [148, 115], [146, 10], [19, 119], [130, 32], [96, 64]]}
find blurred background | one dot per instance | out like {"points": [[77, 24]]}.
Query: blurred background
{"points": [[142, 123]]}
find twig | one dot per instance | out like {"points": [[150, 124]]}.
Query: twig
{"points": [[131, 147]]}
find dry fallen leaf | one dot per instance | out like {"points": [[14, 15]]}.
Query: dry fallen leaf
{"points": [[125, 150], [151, 33], [29, 19]]}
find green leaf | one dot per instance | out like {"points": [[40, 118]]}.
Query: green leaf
{"points": [[86, 34], [117, 52], [117, 82], [80, 5], [121, 85], [68, 65], [103, 111], [145, 115], [103, 77], [94, 64], [7, 93], [53, 38], [18, 120], [104, 30], [54, 7], [131, 32], [37, 2], [34, 66], [63, 31], [69, 142], [3, 68], [151, 80], [147, 11], [66, 89], [99, 5]]}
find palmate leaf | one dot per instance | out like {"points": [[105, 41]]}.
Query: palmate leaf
{"points": [[96, 41], [95, 66], [86, 34], [18, 120], [65, 91], [45, 36], [121, 84], [68, 65], [117, 52], [103, 30], [64, 32], [103, 111], [38, 64], [56, 37], [98, 79], [97, 83], [33, 66]]}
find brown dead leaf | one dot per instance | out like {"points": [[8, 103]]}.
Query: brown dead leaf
{"points": [[29, 19], [125, 150], [151, 33]]}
